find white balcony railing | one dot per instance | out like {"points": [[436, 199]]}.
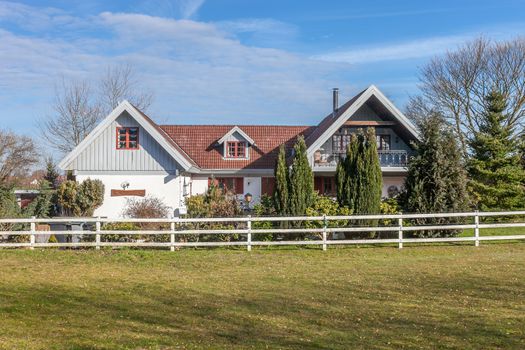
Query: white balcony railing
{"points": [[390, 158]]}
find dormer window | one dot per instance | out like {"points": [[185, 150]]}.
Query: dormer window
{"points": [[236, 149], [127, 138]]}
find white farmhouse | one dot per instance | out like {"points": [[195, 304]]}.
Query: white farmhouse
{"points": [[135, 157]]}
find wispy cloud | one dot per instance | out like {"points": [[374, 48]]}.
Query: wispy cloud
{"points": [[415, 49], [196, 69], [399, 51], [189, 7]]}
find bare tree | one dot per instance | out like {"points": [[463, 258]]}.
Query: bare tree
{"points": [[119, 83], [76, 114], [456, 83], [78, 107], [17, 155]]}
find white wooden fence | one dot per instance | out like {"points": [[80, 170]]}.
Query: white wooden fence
{"points": [[177, 227]]}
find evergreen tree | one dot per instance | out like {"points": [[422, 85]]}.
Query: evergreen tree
{"points": [[281, 194], [436, 181], [371, 180], [301, 180], [495, 169], [52, 174], [358, 176]]}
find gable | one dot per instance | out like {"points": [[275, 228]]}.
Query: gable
{"points": [[369, 105], [102, 154], [97, 152]]}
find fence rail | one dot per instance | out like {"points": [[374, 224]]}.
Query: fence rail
{"points": [[325, 234]]}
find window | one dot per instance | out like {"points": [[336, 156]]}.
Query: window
{"points": [[383, 142], [325, 185], [340, 143], [236, 149], [127, 138], [230, 184]]}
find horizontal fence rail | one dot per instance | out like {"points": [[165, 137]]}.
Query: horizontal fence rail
{"points": [[177, 230]]}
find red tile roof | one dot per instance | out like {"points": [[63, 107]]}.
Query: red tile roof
{"points": [[199, 142]]}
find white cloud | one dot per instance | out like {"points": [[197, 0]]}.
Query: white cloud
{"points": [[195, 69], [419, 48], [189, 8], [401, 51]]}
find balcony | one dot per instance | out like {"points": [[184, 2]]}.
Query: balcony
{"points": [[390, 158]]}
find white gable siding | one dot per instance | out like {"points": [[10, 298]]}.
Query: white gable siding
{"points": [[102, 154]]}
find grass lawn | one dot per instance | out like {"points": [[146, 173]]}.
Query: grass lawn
{"points": [[427, 297]]}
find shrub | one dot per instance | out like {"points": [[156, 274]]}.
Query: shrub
{"points": [[80, 199], [119, 226], [214, 203], [148, 208], [324, 205], [264, 208]]}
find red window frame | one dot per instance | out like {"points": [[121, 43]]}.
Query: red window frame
{"points": [[127, 141], [236, 147]]}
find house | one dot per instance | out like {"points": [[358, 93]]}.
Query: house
{"points": [[134, 157]]}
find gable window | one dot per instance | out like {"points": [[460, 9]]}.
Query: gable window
{"points": [[127, 138], [383, 142], [236, 149]]}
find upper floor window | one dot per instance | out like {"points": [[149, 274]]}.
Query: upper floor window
{"points": [[236, 149], [383, 142], [127, 138]]}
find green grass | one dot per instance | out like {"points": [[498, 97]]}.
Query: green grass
{"points": [[425, 297]]}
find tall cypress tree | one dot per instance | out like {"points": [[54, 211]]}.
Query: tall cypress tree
{"points": [[359, 177], [301, 180], [497, 175], [371, 180], [436, 181], [281, 194]]}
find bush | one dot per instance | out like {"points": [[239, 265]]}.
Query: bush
{"points": [[324, 205], [80, 199], [149, 207], [264, 208], [214, 203], [119, 226]]}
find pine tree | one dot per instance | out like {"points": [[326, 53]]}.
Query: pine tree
{"points": [[281, 194], [436, 181], [301, 180], [495, 169], [52, 174]]}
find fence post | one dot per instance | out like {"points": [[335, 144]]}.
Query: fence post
{"points": [[476, 228], [400, 232], [172, 236], [324, 232], [249, 238], [97, 235], [32, 234]]}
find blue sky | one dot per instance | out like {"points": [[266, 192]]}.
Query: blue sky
{"points": [[234, 61]]}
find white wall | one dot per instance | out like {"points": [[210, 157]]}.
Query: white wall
{"points": [[252, 185], [166, 187], [388, 181]]}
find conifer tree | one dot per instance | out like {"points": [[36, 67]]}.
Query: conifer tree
{"points": [[52, 174], [281, 194], [371, 180], [358, 176], [495, 169], [436, 181], [301, 180]]}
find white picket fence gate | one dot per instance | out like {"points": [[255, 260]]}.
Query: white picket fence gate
{"points": [[176, 228]]}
